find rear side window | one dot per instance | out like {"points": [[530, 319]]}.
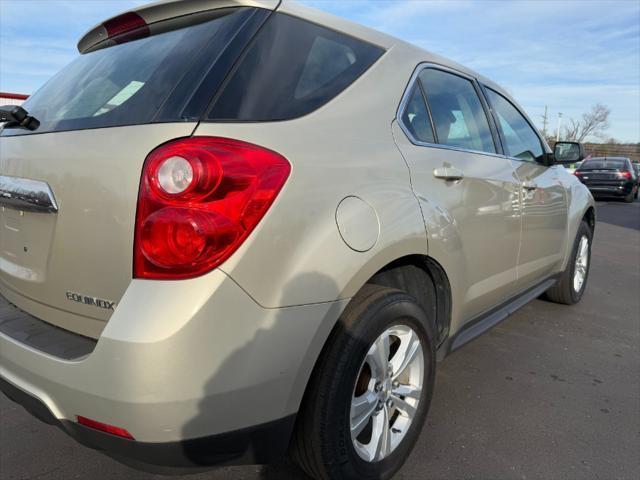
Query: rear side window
{"points": [[292, 68], [521, 141], [458, 116], [416, 117]]}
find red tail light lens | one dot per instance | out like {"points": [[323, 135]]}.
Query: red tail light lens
{"points": [[199, 199], [625, 174], [103, 427]]}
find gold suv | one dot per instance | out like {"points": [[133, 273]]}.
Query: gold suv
{"points": [[235, 228]]}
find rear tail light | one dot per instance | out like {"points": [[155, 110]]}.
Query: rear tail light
{"points": [[624, 174], [199, 199], [103, 427], [577, 173]]}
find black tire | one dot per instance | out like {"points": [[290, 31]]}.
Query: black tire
{"points": [[322, 444], [629, 198], [563, 291]]}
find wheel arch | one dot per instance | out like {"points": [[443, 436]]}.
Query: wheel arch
{"points": [[590, 217], [410, 273], [423, 278]]}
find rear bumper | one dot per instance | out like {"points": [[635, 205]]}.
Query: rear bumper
{"points": [[617, 189], [256, 445], [188, 366]]}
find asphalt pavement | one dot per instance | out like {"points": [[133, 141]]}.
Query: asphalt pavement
{"points": [[551, 393]]}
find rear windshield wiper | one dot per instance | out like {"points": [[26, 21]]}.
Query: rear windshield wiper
{"points": [[17, 117]]}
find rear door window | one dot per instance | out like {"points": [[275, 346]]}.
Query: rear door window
{"points": [[521, 141], [292, 68], [458, 115]]}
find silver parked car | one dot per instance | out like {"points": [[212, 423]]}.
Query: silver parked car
{"points": [[235, 228]]}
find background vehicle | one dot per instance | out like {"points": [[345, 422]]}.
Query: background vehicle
{"points": [[214, 250], [610, 176]]}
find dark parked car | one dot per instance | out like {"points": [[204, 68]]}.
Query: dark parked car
{"points": [[609, 176]]}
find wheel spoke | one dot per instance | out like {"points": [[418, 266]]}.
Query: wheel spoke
{"points": [[383, 435], [378, 356], [407, 391], [403, 406], [361, 410], [584, 246], [406, 355]]}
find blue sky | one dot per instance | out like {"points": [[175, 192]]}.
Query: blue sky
{"points": [[564, 54]]}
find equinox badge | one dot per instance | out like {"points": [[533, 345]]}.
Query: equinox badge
{"points": [[93, 301]]}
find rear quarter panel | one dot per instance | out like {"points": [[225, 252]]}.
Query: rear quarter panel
{"points": [[296, 255]]}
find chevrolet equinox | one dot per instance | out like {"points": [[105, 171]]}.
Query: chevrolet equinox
{"points": [[232, 229]]}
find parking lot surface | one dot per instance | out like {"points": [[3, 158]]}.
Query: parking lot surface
{"points": [[551, 393]]}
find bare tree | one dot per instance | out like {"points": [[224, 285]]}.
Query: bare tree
{"points": [[593, 123]]}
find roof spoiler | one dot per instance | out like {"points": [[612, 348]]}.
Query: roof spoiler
{"points": [[140, 22]]}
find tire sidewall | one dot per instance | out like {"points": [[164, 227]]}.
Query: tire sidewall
{"points": [[583, 230]]}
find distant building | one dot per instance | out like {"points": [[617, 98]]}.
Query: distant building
{"points": [[12, 98]]}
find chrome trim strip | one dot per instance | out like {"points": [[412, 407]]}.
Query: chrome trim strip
{"points": [[405, 100], [27, 195]]}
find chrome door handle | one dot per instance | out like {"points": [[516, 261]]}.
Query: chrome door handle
{"points": [[529, 185], [451, 174]]}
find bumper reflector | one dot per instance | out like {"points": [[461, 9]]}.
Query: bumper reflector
{"points": [[103, 427]]}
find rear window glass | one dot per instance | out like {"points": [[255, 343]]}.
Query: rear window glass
{"points": [[127, 84], [604, 164], [292, 68]]}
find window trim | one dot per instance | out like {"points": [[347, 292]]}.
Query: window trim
{"points": [[406, 97], [501, 134]]}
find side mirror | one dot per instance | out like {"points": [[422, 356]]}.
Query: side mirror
{"points": [[568, 152]]}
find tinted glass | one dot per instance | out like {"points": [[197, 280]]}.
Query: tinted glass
{"points": [[416, 117], [457, 112], [521, 141], [292, 68], [127, 84], [604, 164]]}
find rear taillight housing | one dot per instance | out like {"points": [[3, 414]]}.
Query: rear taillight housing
{"points": [[199, 199], [624, 174]]}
